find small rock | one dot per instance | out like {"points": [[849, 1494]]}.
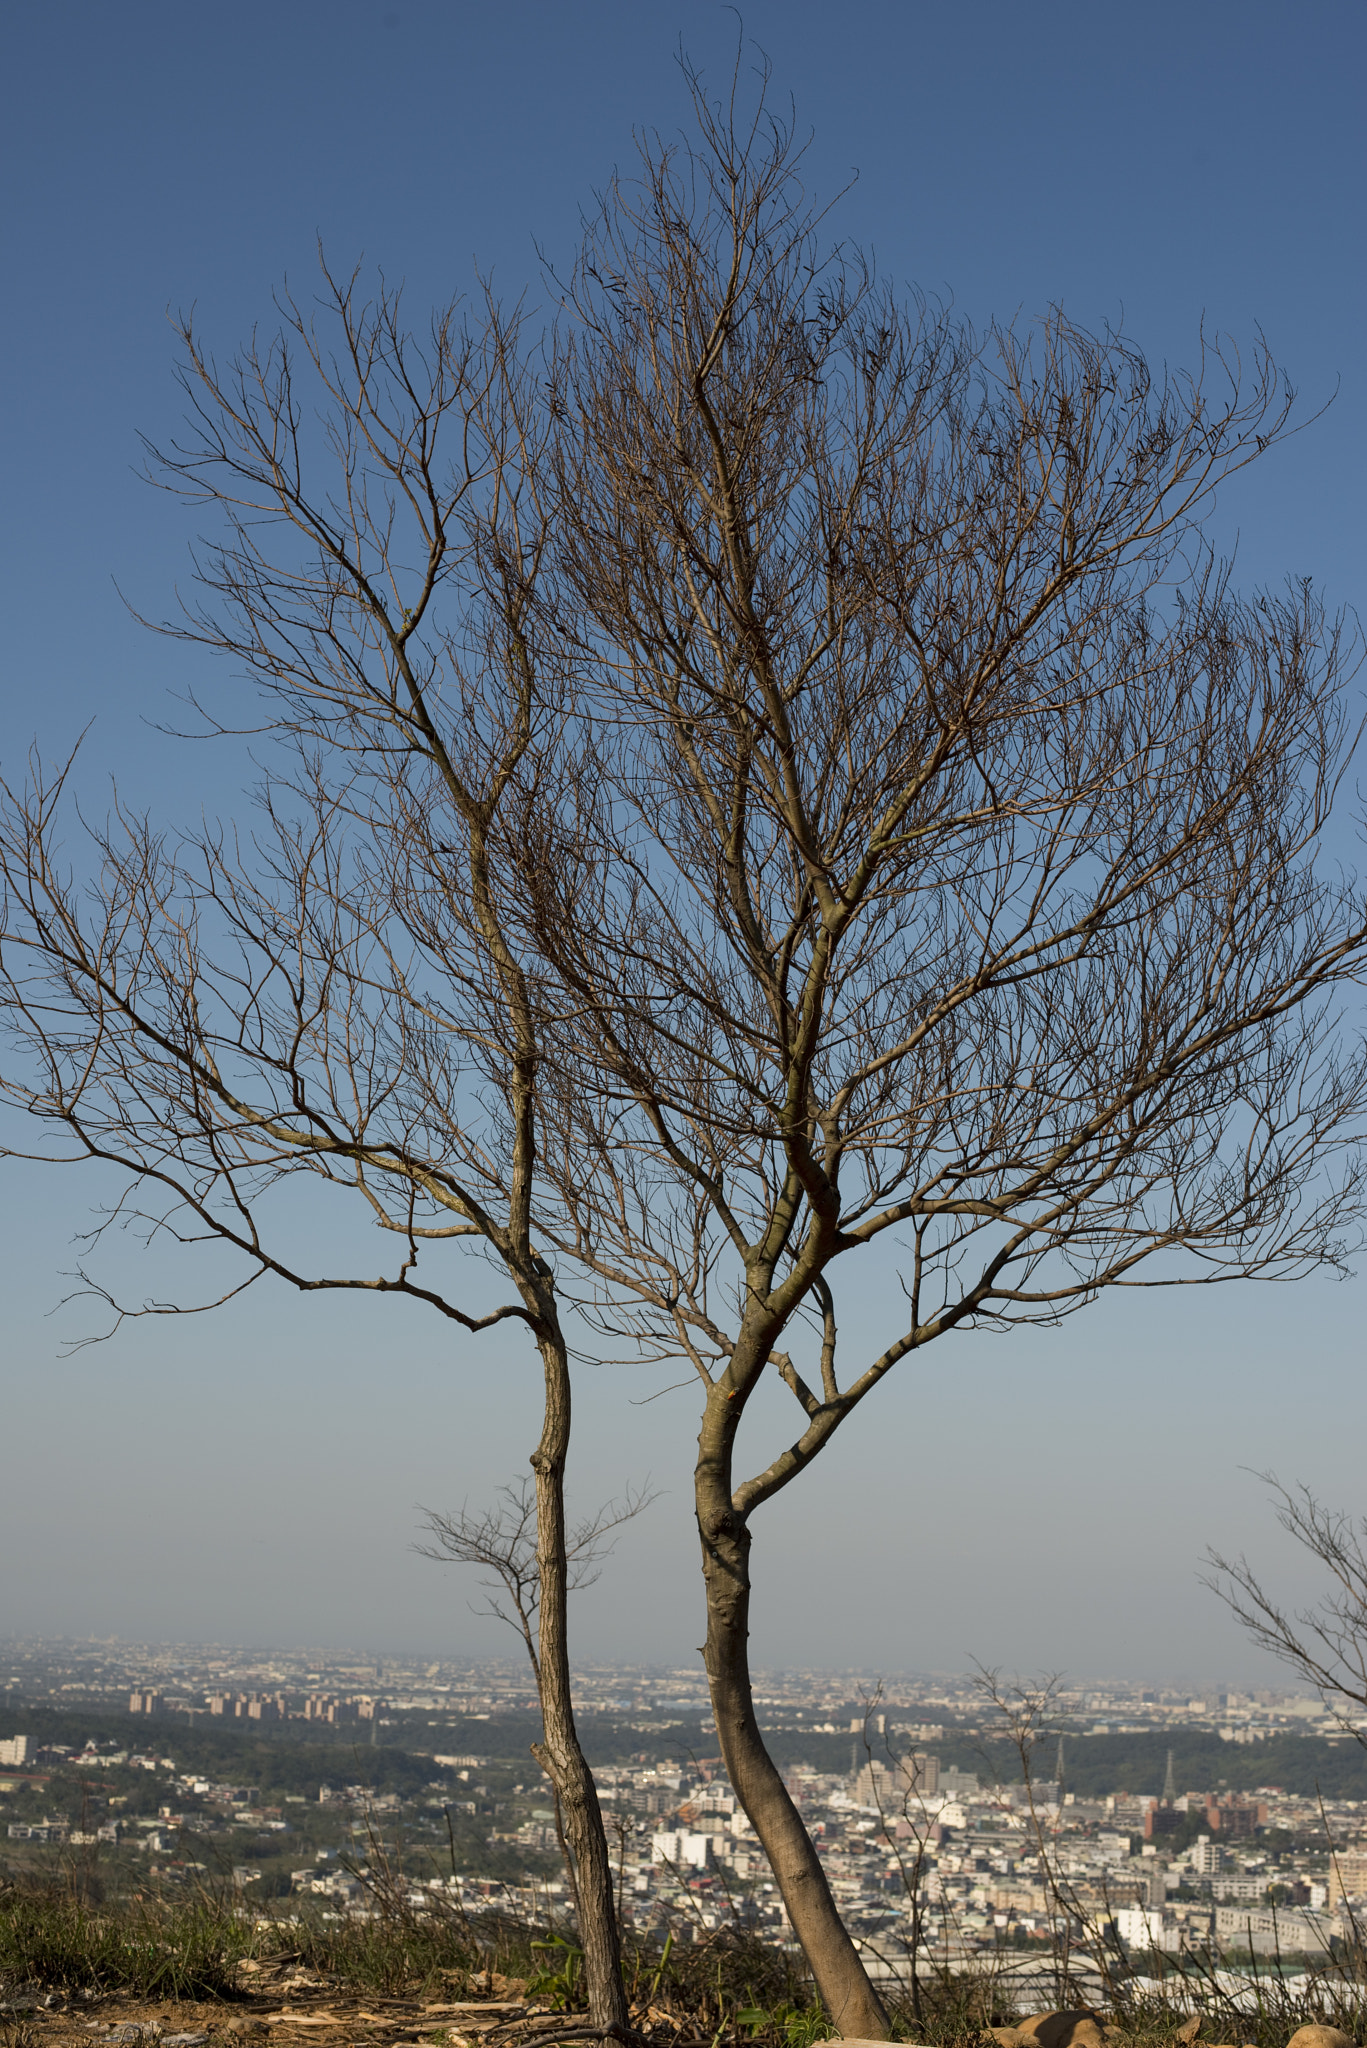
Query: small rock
{"points": [[183, 2040], [1076, 2029], [1087, 2034], [1189, 2029], [1321, 2037]]}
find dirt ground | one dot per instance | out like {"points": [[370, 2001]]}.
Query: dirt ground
{"points": [[287, 2011]]}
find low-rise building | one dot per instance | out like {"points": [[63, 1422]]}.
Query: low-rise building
{"points": [[1269, 1930]]}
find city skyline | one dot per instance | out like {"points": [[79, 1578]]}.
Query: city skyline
{"points": [[945, 1835], [224, 1670]]}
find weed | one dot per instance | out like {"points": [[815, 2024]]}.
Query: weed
{"points": [[562, 1989], [55, 1938], [797, 2026]]}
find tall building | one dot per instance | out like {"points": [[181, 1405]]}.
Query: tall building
{"points": [[1163, 1820], [327, 1707], [1235, 1818], [144, 1702], [890, 1786], [1347, 1876], [685, 1850], [14, 1750]]}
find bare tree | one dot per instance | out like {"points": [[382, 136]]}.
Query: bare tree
{"points": [[1326, 1645], [802, 787], [500, 1541], [933, 869], [1028, 1711], [336, 1002]]}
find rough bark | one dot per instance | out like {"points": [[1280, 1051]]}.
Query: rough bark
{"points": [[850, 1999], [561, 1755]]}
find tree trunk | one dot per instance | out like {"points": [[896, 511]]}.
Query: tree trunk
{"points": [[853, 2005], [561, 1755]]}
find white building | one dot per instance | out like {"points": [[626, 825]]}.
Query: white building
{"points": [[1145, 1927], [689, 1851], [14, 1750]]}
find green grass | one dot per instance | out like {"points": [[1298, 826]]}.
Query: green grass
{"points": [[723, 1986], [56, 1939], [397, 1954]]}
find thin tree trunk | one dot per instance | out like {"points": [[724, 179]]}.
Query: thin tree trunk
{"points": [[560, 1755], [850, 1999]]}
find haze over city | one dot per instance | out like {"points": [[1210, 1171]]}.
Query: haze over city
{"points": [[286, 1775]]}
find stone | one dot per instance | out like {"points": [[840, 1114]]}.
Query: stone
{"points": [[1069, 2029], [1321, 2037], [1087, 2034]]}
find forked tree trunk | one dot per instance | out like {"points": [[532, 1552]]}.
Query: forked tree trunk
{"points": [[560, 1755], [850, 1999]]}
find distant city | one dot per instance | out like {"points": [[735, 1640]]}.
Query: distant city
{"points": [[1233, 1819], [310, 1684]]}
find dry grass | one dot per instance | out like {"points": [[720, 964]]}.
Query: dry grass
{"points": [[699, 1990]]}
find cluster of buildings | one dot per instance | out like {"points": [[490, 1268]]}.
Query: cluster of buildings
{"points": [[929, 1863], [923, 1856], [926, 1860], [330, 1708], [175, 1679]]}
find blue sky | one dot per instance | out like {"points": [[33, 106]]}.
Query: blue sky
{"points": [[1038, 1501]]}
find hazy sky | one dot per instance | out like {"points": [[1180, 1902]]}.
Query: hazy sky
{"points": [[1036, 1501]]}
